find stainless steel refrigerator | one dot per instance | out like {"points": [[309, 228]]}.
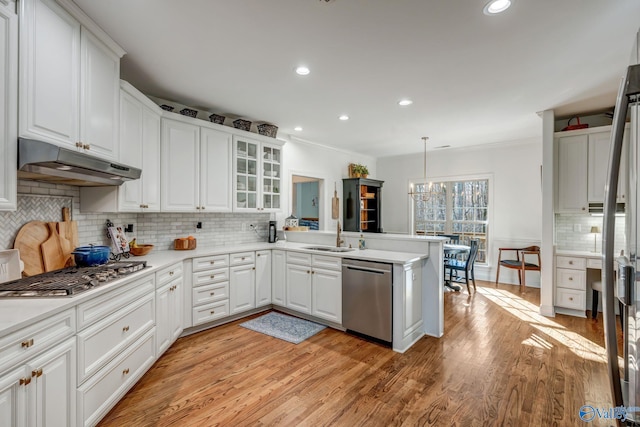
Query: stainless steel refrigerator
{"points": [[621, 271]]}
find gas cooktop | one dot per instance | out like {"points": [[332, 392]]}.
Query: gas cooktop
{"points": [[70, 281]]}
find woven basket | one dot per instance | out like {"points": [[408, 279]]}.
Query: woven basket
{"points": [[268, 130], [242, 124], [217, 118], [189, 112]]}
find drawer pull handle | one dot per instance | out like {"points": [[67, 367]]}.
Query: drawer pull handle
{"points": [[171, 273], [125, 372], [212, 262], [212, 293], [36, 373], [213, 276], [253, 268], [25, 381], [242, 259], [125, 329], [570, 262], [27, 343], [213, 312], [570, 298], [571, 279]]}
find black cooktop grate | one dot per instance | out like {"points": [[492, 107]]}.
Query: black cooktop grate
{"points": [[68, 281]]}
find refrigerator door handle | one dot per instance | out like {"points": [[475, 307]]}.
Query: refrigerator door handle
{"points": [[608, 230]]}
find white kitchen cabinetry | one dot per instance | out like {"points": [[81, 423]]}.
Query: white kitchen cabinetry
{"points": [[257, 168], [263, 278], [314, 285], [572, 174], [139, 147], [210, 288], [571, 282], [599, 144], [195, 168], [69, 85], [116, 345], [242, 282], [38, 373], [412, 318], [8, 104], [169, 306], [278, 277], [326, 288]]}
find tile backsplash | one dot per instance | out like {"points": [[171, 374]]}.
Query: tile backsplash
{"points": [[573, 232], [44, 202]]}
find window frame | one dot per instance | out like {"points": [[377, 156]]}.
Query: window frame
{"points": [[456, 178]]}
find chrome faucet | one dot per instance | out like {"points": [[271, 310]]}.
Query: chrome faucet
{"points": [[339, 241]]}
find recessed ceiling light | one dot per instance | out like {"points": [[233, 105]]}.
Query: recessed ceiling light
{"points": [[297, 128], [302, 70], [496, 6], [405, 102], [343, 117]]}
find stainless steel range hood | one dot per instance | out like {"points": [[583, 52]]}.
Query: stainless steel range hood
{"points": [[42, 161]]}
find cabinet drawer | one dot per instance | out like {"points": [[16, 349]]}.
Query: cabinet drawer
{"points": [[95, 309], [21, 345], [571, 262], [573, 279], [594, 263], [328, 262], [210, 276], [210, 293], [101, 342], [298, 258], [209, 312], [209, 262], [101, 392], [570, 298], [166, 275], [242, 258]]}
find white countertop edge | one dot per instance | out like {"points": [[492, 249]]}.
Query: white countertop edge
{"points": [[16, 313]]}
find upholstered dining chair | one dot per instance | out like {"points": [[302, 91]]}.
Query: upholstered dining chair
{"points": [[520, 262], [466, 265]]}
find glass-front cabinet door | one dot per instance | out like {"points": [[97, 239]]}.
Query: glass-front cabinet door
{"points": [[271, 177], [246, 167]]}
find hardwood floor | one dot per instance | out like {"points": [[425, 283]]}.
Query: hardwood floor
{"points": [[499, 363]]}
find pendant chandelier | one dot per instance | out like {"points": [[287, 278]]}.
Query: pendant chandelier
{"points": [[422, 195]]}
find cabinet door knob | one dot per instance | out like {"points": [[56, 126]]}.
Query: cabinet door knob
{"points": [[212, 262], [213, 276], [212, 293], [86, 146], [25, 381], [571, 279], [171, 273], [212, 312], [202, 207], [570, 298], [125, 371], [27, 343], [570, 262], [79, 144], [125, 329], [36, 373]]}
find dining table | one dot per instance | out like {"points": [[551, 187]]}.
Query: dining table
{"points": [[453, 251]]}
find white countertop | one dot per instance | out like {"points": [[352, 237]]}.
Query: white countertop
{"points": [[584, 254], [16, 313]]}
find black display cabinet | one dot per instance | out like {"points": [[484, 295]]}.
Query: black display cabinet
{"points": [[362, 207]]}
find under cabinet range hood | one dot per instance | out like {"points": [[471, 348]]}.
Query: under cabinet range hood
{"points": [[42, 161]]}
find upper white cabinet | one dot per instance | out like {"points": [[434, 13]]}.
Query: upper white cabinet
{"points": [[69, 79], [8, 104], [140, 147], [258, 175], [599, 144], [572, 174], [195, 168], [582, 163]]}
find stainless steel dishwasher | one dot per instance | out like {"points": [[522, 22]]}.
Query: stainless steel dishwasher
{"points": [[367, 298]]}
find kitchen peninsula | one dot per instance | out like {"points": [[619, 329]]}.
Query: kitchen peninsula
{"points": [[100, 343]]}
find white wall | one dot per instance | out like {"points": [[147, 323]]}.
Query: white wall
{"points": [[515, 193], [313, 160]]}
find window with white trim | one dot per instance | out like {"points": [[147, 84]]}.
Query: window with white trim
{"points": [[454, 207]]}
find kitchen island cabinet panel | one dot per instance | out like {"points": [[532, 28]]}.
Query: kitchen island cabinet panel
{"points": [[8, 105]]}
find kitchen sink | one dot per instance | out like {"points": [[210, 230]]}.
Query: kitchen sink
{"points": [[329, 249]]}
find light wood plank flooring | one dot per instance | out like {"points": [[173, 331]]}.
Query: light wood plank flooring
{"points": [[499, 363]]}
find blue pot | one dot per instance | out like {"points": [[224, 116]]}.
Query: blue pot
{"points": [[88, 256]]}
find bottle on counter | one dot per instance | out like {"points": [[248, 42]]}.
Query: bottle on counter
{"points": [[361, 243]]}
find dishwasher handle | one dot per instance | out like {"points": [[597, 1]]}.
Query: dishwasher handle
{"points": [[368, 270]]}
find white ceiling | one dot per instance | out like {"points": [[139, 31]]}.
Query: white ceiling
{"points": [[474, 79]]}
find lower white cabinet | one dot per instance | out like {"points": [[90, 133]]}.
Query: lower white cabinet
{"points": [[169, 306], [314, 285], [42, 391], [326, 297], [412, 318], [242, 288], [278, 277], [571, 282], [263, 278], [210, 292], [299, 288]]}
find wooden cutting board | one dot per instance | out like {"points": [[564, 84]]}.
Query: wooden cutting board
{"points": [[68, 232], [335, 205], [53, 256], [28, 242]]}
